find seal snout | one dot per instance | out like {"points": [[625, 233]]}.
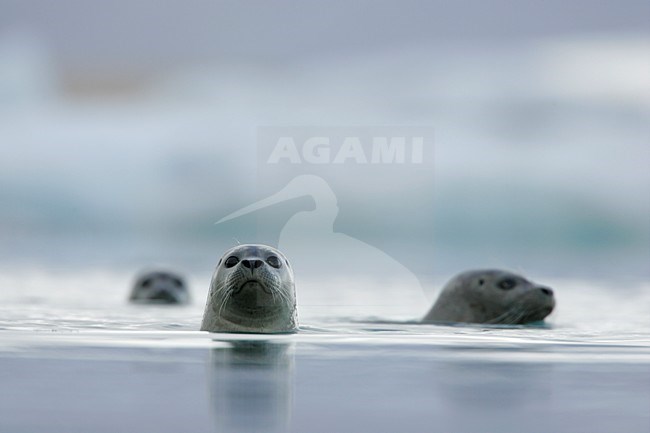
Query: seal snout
{"points": [[252, 264], [547, 291], [251, 285], [548, 300]]}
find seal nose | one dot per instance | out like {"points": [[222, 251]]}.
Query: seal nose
{"points": [[546, 291], [252, 264]]}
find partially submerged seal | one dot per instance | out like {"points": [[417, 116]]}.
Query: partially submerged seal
{"points": [[159, 287], [491, 297], [252, 290]]}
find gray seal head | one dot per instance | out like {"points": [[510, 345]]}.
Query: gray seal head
{"points": [[159, 287], [252, 290], [491, 297]]}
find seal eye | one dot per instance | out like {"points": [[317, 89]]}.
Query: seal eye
{"points": [[274, 262], [146, 283], [231, 261], [481, 281], [507, 284]]}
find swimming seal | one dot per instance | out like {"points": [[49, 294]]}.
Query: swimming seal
{"points": [[252, 291], [491, 297], [159, 287]]}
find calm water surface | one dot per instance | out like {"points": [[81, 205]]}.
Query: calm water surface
{"points": [[74, 357]]}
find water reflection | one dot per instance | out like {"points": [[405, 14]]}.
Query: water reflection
{"points": [[250, 386], [494, 385]]}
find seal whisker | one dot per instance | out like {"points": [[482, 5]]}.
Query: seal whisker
{"points": [[514, 315], [282, 295], [273, 296], [504, 318], [223, 303]]}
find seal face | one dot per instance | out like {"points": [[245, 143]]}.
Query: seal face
{"points": [[491, 297], [159, 287], [252, 290]]}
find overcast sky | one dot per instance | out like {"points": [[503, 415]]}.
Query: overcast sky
{"points": [[144, 34]]}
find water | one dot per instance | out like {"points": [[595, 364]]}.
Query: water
{"points": [[75, 357]]}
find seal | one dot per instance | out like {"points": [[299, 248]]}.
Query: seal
{"points": [[252, 291], [159, 287], [491, 297]]}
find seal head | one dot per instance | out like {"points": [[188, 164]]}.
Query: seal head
{"points": [[252, 290], [159, 287], [491, 297]]}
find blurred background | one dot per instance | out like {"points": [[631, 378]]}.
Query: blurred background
{"points": [[127, 128]]}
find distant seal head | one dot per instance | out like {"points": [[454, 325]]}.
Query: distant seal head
{"points": [[159, 287], [252, 291], [491, 297]]}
